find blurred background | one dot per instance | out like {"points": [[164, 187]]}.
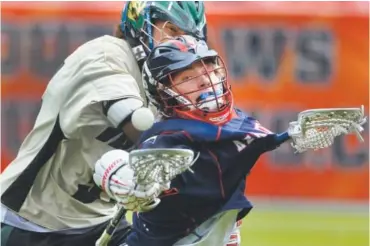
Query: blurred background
{"points": [[283, 57]]}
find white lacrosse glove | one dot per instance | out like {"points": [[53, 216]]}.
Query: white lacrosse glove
{"points": [[114, 175]]}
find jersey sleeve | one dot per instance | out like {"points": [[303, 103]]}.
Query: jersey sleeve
{"points": [[104, 71]]}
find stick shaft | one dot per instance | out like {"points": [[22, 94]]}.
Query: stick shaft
{"points": [[109, 230]]}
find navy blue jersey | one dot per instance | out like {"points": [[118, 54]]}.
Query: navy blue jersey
{"points": [[227, 154]]}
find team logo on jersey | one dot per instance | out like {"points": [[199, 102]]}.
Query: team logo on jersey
{"points": [[150, 140], [239, 145], [258, 131]]}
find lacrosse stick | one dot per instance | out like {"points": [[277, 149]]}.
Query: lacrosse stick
{"points": [[151, 166], [317, 128]]}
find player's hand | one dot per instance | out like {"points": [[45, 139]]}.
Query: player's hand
{"points": [[113, 174]]}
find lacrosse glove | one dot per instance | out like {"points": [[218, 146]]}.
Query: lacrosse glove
{"points": [[114, 176]]}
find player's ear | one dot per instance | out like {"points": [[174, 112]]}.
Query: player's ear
{"points": [[118, 32]]}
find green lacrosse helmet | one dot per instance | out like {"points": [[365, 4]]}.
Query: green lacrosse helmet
{"points": [[138, 18]]}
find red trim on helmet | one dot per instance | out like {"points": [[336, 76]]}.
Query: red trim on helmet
{"points": [[216, 118]]}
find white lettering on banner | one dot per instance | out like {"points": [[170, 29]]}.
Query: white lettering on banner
{"points": [[248, 51], [260, 51], [41, 47]]}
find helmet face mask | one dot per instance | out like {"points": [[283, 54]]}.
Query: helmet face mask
{"points": [[162, 31], [196, 87]]}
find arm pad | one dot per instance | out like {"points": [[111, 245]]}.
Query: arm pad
{"points": [[120, 110]]}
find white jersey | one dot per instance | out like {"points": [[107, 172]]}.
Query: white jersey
{"points": [[214, 231], [50, 181]]}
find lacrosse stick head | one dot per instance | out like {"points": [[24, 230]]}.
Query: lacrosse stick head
{"points": [[317, 128], [160, 165]]}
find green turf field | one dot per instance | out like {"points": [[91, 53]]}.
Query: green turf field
{"points": [[297, 228], [286, 227]]}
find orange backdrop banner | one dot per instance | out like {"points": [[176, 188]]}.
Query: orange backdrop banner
{"points": [[281, 64], [282, 58]]}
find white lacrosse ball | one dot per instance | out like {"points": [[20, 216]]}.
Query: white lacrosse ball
{"points": [[142, 119]]}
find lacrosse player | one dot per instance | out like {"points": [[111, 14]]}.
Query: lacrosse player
{"points": [[187, 82], [48, 194]]}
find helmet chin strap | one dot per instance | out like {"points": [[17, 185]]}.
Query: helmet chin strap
{"points": [[148, 31]]}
